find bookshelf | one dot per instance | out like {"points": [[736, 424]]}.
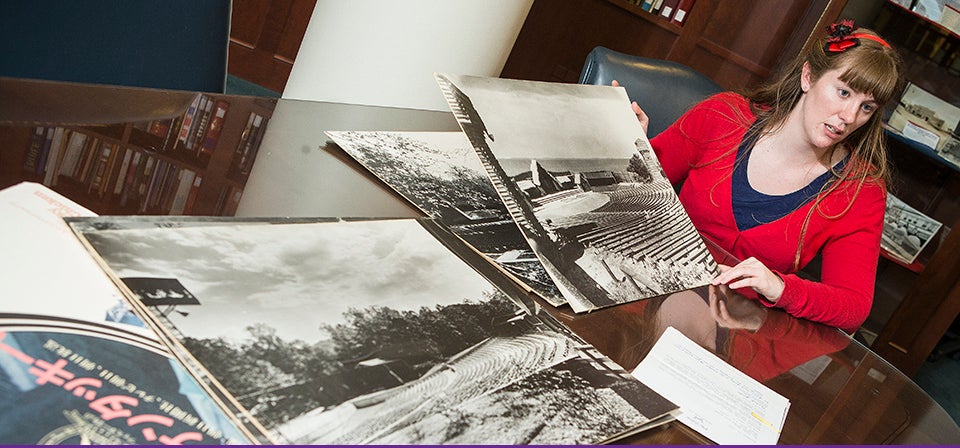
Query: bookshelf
{"points": [[915, 304], [192, 162]]}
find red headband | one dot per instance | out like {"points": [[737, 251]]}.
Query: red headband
{"points": [[843, 38], [871, 37]]}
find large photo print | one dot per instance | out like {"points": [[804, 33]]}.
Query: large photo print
{"points": [[440, 173], [573, 167], [370, 331]]}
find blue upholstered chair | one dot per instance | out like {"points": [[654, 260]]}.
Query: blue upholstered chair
{"points": [[664, 89], [169, 44]]}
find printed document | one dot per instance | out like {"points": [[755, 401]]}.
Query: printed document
{"points": [[715, 399]]}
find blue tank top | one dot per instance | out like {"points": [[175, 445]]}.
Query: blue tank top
{"points": [[752, 208]]}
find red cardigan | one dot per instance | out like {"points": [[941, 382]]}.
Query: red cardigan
{"points": [[699, 150]]}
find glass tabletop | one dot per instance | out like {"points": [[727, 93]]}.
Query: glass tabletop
{"points": [[840, 392], [271, 158]]}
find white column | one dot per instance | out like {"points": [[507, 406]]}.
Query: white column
{"points": [[384, 52]]}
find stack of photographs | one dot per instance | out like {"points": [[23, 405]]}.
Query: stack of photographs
{"points": [[595, 222]]}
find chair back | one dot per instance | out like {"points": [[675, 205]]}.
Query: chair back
{"points": [[664, 89]]}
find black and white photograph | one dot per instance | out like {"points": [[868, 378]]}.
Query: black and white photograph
{"points": [[951, 151], [62, 317], [931, 9], [923, 117], [906, 231], [373, 331], [440, 173], [574, 168]]}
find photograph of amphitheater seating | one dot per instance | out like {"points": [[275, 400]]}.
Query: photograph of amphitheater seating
{"points": [[440, 173], [906, 230], [380, 331], [577, 174]]}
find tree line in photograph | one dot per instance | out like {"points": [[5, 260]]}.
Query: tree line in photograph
{"points": [[376, 348]]}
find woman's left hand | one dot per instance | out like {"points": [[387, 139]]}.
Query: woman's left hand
{"points": [[751, 273], [641, 115]]}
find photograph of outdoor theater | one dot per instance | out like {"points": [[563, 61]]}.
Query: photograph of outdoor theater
{"points": [[577, 174], [440, 173], [372, 331]]}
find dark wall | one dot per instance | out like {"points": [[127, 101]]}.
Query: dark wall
{"points": [[171, 44]]}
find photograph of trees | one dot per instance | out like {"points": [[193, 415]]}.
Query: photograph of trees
{"points": [[373, 329], [440, 173]]}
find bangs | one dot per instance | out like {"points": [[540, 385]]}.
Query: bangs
{"points": [[873, 73]]}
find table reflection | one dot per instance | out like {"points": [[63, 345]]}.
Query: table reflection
{"points": [[761, 342]]}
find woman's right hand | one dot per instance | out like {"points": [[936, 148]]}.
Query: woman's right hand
{"points": [[641, 115]]}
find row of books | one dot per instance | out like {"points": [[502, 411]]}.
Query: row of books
{"points": [[158, 186], [675, 11], [55, 152], [133, 177], [194, 134]]}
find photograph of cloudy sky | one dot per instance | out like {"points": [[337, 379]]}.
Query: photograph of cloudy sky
{"points": [[440, 173], [303, 323]]}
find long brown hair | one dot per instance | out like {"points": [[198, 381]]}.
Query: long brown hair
{"points": [[870, 67]]}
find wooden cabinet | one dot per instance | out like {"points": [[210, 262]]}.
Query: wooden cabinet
{"points": [[925, 300], [265, 36], [148, 152], [737, 44]]}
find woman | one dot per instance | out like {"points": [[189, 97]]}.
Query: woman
{"points": [[794, 169]]}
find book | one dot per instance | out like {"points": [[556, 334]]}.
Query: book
{"points": [[104, 155], [130, 178], [73, 155], [187, 120], [249, 145], [90, 154], [122, 173], [192, 195], [184, 186], [212, 135], [683, 8], [584, 187], [76, 364], [668, 8], [45, 150], [204, 112], [434, 345], [31, 162], [55, 157]]}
